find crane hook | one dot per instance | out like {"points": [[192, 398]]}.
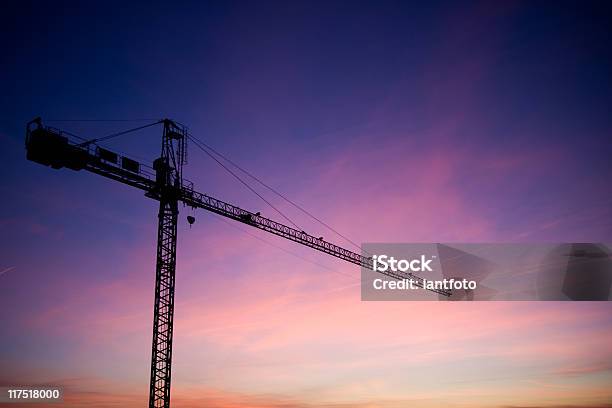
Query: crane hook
{"points": [[190, 220]]}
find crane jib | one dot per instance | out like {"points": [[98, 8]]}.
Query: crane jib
{"points": [[200, 200], [51, 147]]}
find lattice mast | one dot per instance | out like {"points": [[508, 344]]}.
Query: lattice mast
{"points": [[169, 180]]}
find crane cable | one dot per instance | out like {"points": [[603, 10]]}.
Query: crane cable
{"points": [[199, 144], [265, 241], [193, 138], [113, 135], [101, 120], [203, 146]]}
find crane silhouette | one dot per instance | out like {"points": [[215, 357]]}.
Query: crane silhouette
{"points": [[164, 182]]}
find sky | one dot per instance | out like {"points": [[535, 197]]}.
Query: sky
{"points": [[390, 121]]}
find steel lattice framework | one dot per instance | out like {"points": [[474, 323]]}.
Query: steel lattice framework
{"points": [[168, 174], [164, 182], [163, 315]]}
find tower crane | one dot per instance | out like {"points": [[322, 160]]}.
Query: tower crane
{"points": [[164, 182]]}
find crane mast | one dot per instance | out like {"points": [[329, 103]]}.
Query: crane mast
{"points": [[164, 182], [168, 182]]}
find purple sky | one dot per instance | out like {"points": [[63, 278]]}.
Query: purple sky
{"points": [[479, 122]]}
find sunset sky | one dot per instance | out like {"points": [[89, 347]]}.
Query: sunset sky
{"points": [[442, 122]]}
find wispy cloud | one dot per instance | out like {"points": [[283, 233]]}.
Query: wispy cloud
{"points": [[10, 268]]}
